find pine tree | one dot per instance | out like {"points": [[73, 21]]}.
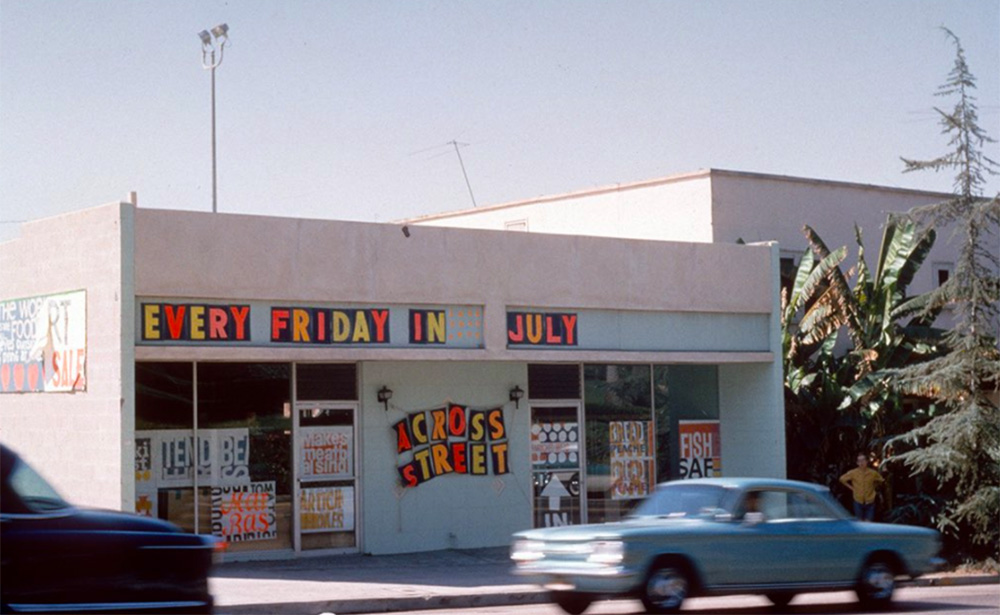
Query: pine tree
{"points": [[960, 446]]}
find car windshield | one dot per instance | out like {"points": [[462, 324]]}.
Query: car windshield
{"points": [[34, 491], [681, 501]]}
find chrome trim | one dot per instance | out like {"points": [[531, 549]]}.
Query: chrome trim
{"points": [[105, 606], [768, 587], [164, 547]]}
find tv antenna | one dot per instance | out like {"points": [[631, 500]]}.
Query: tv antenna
{"points": [[455, 144]]}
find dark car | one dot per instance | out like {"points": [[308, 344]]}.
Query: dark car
{"points": [[60, 558]]}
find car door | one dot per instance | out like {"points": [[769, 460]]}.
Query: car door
{"points": [[762, 545]]}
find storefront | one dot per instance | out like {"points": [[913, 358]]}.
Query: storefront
{"points": [[300, 387]]}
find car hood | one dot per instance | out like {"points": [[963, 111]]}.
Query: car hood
{"points": [[610, 531], [74, 518]]}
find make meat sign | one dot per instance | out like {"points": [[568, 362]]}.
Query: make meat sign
{"points": [[452, 440], [700, 451], [43, 344], [241, 513], [327, 452]]}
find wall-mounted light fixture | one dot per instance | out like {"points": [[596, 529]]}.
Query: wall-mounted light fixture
{"points": [[515, 395], [384, 395]]}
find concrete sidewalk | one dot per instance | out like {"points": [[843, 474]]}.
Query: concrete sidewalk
{"points": [[346, 584]]}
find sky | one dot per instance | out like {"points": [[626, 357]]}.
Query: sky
{"points": [[345, 109]]}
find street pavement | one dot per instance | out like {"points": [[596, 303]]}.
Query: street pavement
{"points": [[345, 584]]}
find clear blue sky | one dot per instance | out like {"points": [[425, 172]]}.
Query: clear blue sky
{"points": [[322, 104]]}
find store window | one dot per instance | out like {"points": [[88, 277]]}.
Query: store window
{"points": [[164, 450], [620, 439], [243, 450]]}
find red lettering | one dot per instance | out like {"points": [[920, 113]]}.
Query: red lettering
{"points": [[279, 322], [418, 329], [217, 319], [569, 328], [403, 442], [380, 318], [550, 338], [175, 319], [516, 335], [240, 314], [409, 478], [458, 458], [456, 421], [321, 325]]}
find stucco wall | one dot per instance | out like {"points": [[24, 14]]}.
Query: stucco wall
{"points": [[450, 511], [76, 439], [763, 208], [676, 209]]}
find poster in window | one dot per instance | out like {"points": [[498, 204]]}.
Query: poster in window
{"points": [[326, 509], [326, 452], [632, 459], [223, 457], [700, 449], [555, 445], [243, 513]]}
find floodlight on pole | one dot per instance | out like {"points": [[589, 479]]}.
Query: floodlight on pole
{"points": [[209, 63]]}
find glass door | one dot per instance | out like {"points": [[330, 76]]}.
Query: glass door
{"points": [[556, 465], [326, 462]]}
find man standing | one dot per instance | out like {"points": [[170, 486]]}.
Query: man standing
{"points": [[864, 482]]}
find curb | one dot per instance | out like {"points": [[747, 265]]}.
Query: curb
{"points": [[356, 606]]}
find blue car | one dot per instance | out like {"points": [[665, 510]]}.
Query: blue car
{"points": [[725, 536], [57, 558]]}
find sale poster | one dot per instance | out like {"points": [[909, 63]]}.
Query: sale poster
{"points": [[632, 459], [700, 449], [242, 513], [326, 509], [327, 452], [43, 344]]}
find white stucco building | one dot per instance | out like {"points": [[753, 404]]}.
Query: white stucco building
{"points": [[305, 386], [719, 206]]}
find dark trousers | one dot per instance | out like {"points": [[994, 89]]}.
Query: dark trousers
{"points": [[864, 512]]}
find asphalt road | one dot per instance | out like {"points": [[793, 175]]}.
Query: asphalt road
{"points": [[966, 600]]}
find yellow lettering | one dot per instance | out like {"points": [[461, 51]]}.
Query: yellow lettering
{"points": [[197, 322], [361, 333], [301, 326], [151, 321], [435, 327], [341, 326]]}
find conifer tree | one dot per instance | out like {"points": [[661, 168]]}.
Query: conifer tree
{"points": [[960, 445]]}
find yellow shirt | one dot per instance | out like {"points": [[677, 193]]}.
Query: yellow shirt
{"points": [[864, 483]]}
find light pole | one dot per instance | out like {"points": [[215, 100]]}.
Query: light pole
{"points": [[208, 62]]}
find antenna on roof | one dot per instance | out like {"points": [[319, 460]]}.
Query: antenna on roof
{"points": [[462, 164]]}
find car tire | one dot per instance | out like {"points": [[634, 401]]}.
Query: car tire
{"points": [[876, 583], [666, 588], [780, 599], [573, 603]]}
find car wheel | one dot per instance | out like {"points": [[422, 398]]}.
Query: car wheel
{"points": [[780, 599], [876, 583], [573, 603], [666, 588]]}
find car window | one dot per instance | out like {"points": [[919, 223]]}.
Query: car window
{"points": [[681, 501], [33, 491], [782, 505]]}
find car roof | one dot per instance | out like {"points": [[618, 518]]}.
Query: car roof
{"points": [[743, 483]]}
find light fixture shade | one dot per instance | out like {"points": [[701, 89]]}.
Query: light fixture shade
{"points": [[220, 30], [205, 38]]}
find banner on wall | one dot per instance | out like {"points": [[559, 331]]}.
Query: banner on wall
{"points": [[700, 449], [327, 452], [43, 344], [242, 513], [326, 509], [633, 468], [454, 439]]}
